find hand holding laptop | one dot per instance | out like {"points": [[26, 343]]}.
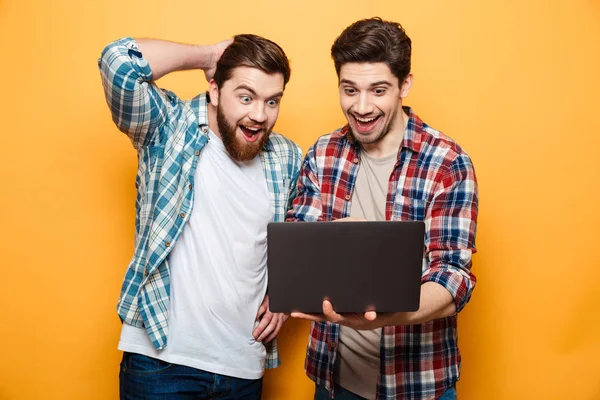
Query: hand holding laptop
{"points": [[366, 321], [361, 322], [433, 300]]}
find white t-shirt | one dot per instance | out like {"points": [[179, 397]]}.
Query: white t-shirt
{"points": [[218, 271]]}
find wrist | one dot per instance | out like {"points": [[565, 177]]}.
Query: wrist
{"points": [[202, 57], [404, 318]]}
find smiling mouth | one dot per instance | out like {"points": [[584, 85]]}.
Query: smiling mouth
{"points": [[251, 133], [365, 124]]}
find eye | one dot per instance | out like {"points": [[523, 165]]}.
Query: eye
{"points": [[273, 103], [379, 91], [349, 91], [245, 99]]}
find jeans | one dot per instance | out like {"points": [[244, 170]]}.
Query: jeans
{"points": [[146, 378], [342, 394]]}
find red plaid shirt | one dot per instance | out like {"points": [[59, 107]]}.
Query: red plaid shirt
{"points": [[433, 181]]}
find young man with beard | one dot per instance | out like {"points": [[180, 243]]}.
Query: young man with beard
{"points": [[387, 164], [211, 176]]}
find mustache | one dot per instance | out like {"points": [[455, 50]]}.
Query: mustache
{"points": [[253, 124]]}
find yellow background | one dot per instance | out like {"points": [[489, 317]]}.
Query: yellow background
{"points": [[514, 82]]}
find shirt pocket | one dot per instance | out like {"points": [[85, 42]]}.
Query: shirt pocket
{"points": [[409, 209]]}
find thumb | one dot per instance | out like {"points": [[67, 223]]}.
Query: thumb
{"points": [[370, 315]]}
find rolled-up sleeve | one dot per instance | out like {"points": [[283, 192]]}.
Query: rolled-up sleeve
{"points": [[451, 223], [138, 106]]}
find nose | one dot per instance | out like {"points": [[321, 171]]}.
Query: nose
{"points": [[258, 113], [364, 105]]}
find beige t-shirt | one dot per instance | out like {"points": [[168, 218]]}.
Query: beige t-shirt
{"points": [[357, 362]]}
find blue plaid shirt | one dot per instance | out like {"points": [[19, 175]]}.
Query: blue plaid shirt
{"points": [[169, 135]]}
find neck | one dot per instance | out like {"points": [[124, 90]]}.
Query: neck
{"points": [[390, 143]]}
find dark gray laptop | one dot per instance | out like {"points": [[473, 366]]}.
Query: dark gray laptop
{"points": [[356, 265]]}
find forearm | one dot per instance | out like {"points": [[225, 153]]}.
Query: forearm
{"points": [[436, 302], [166, 57]]}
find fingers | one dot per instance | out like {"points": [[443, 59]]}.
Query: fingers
{"points": [[263, 324], [269, 329], [310, 317], [260, 312], [329, 313], [370, 315], [217, 51], [219, 48], [263, 307], [273, 335], [223, 45]]}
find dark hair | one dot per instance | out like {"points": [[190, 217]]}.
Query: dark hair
{"points": [[374, 40], [255, 52]]}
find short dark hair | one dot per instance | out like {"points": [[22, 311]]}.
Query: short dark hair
{"points": [[374, 40], [252, 51]]}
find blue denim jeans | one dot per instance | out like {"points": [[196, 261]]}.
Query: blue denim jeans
{"points": [[147, 378], [342, 394]]}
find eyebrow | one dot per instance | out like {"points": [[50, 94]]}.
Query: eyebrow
{"points": [[249, 89], [378, 83], [245, 87], [278, 94]]}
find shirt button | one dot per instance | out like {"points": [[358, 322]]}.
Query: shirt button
{"points": [[168, 244], [355, 161], [332, 345], [348, 197], [190, 186], [204, 129], [145, 272], [197, 153], [182, 215]]}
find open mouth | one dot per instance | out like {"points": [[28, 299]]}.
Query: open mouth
{"points": [[251, 133], [365, 124]]}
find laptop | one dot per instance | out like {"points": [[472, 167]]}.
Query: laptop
{"points": [[358, 266]]}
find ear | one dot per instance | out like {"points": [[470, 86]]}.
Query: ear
{"points": [[213, 92], [406, 85]]}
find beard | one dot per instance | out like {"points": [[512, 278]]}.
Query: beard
{"points": [[239, 149]]}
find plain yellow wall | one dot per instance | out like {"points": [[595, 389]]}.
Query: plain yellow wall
{"points": [[514, 82]]}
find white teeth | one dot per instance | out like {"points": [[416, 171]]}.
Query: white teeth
{"points": [[364, 120], [252, 129]]}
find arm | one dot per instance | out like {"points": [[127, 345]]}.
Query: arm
{"points": [[166, 57], [138, 106], [436, 302], [450, 223]]}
